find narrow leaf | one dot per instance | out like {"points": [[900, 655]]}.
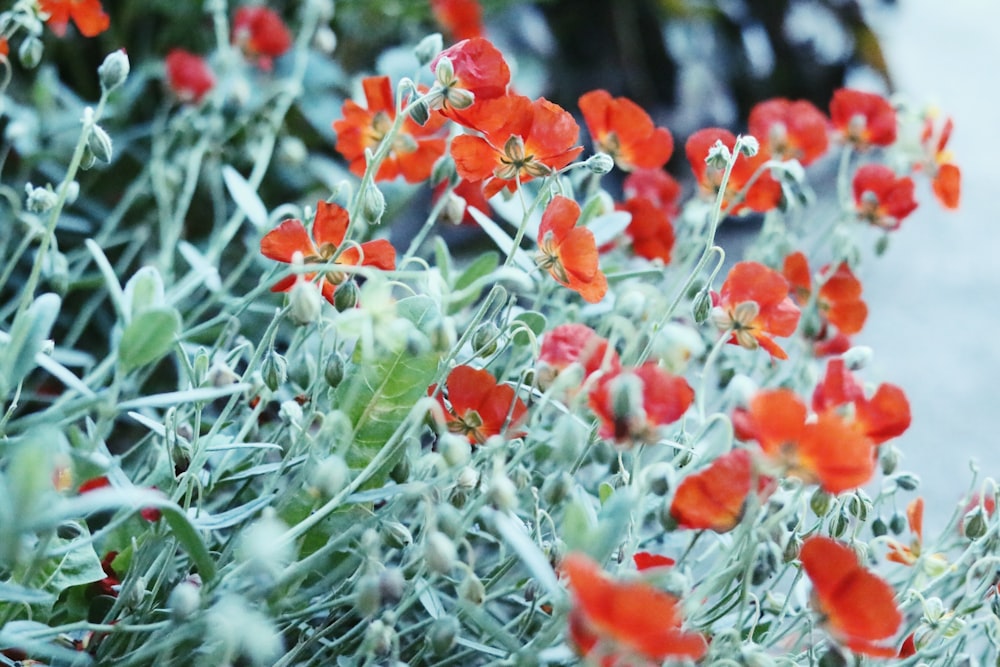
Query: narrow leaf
{"points": [[527, 551], [245, 196]]}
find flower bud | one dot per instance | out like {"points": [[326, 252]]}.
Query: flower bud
{"points": [[600, 163], [839, 525], [114, 70], [897, 524], [372, 204], [857, 507], [30, 52], [484, 339], [87, 160], [657, 478], [367, 596], [858, 357], [467, 478], [702, 306], [975, 525], [888, 457], [792, 549], [765, 564], [40, 200], [391, 585], [907, 481], [304, 302], [502, 493], [556, 487], [345, 297], [427, 48], [471, 589], [274, 370], [444, 171], [401, 471], [333, 371], [820, 502], [454, 449], [100, 143], [379, 638], [879, 527], [420, 113], [330, 476], [719, 155], [290, 412], [748, 145], [626, 399], [569, 436], [440, 552], [881, 245], [184, 601], [442, 635], [396, 535]]}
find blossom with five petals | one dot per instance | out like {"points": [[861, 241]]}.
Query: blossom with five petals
{"points": [[289, 242], [650, 229], [946, 177], [790, 130], [623, 130], [188, 75], [466, 73], [477, 406], [88, 15], [714, 498], [754, 305], [883, 416], [881, 198], [863, 119], [750, 184], [839, 298], [261, 34], [634, 402], [568, 252], [574, 343]]}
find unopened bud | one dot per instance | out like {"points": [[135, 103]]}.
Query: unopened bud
{"points": [[30, 52], [444, 71], [748, 145], [719, 155], [888, 457], [290, 412], [401, 471], [792, 549], [367, 596], [557, 487], [274, 370], [858, 357], [427, 48], [396, 535], [439, 553], [373, 204], [100, 143], [702, 306], [184, 601], [442, 635], [897, 524], [392, 585], [87, 160], [484, 339], [626, 399], [974, 525], [472, 590], [569, 437], [658, 478], [839, 525], [600, 163], [304, 302], [114, 70], [467, 478], [454, 449], [907, 481], [820, 502], [460, 98], [502, 493], [333, 371], [881, 245], [879, 527], [420, 113], [444, 171], [40, 200], [379, 638], [345, 297], [330, 476]]}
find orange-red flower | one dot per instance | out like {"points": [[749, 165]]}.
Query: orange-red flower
{"points": [[150, 514], [261, 34], [655, 185], [568, 252], [4, 47], [475, 72], [477, 406], [908, 555], [634, 402], [625, 622], [754, 305], [645, 560], [863, 119], [462, 19], [521, 140], [414, 149], [620, 128], [88, 15], [290, 239], [839, 299], [881, 198], [790, 130], [946, 177], [650, 229], [883, 416], [714, 498], [575, 343], [762, 194], [188, 75], [858, 607], [825, 449]]}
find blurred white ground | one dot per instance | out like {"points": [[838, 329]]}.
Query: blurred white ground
{"points": [[935, 296]]}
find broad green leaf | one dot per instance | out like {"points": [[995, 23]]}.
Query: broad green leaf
{"points": [[484, 265], [385, 388], [534, 321], [27, 336], [149, 336], [245, 197], [143, 291], [605, 491]]}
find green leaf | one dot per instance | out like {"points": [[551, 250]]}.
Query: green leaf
{"points": [[143, 291], [245, 197], [605, 491], [515, 535], [27, 336], [535, 322], [386, 387], [149, 336], [484, 265], [442, 258]]}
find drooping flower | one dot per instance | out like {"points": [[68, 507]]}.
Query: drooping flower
{"points": [[714, 498], [790, 130], [521, 140], [261, 34], [863, 119], [838, 301], [650, 229], [477, 406], [465, 74], [754, 305], [290, 242], [574, 343], [763, 194], [885, 415], [858, 607], [825, 449], [569, 253], [634, 402], [414, 149], [188, 75], [625, 622], [623, 130], [881, 198], [88, 15], [462, 19], [946, 177], [655, 185]]}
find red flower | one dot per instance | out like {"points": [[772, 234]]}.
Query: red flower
{"points": [[188, 75], [521, 140], [261, 34], [568, 252], [648, 561], [763, 194], [904, 555], [88, 15], [476, 71], [753, 305], [655, 185], [625, 620], [858, 607], [881, 198], [479, 405], [110, 584], [714, 498], [620, 128], [633, 402], [883, 416], [863, 119], [462, 19], [790, 130], [575, 343], [825, 450], [839, 299], [150, 514], [650, 229], [414, 149], [290, 238], [4, 47], [946, 177]]}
